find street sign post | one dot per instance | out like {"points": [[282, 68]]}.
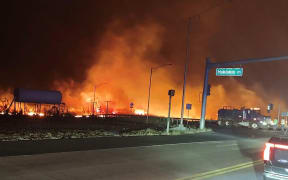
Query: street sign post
{"points": [[171, 93], [229, 71], [131, 106], [188, 107]]}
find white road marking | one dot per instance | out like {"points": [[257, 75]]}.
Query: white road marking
{"points": [[227, 145], [134, 147], [175, 144], [202, 142]]}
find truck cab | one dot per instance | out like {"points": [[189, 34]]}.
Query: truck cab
{"points": [[249, 117]]}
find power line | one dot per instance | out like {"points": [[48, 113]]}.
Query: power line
{"points": [[214, 6]]}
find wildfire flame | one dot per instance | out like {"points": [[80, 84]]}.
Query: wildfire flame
{"points": [[31, 113], [123, 61], [139, 112]]}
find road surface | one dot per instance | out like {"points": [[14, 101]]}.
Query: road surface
{"points": [[215, 155]]}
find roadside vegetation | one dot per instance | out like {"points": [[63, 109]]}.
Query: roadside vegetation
{"points": [[15, 128]]}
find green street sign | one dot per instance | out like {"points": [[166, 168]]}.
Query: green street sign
{"points": [[229, 71]]}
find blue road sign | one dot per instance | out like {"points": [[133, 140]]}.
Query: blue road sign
{"points": [[188, 106]]}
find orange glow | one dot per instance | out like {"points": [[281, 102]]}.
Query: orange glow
{"points": [[122, 62], [121, 67], [31, 113], [139, 112], [124, 68]]}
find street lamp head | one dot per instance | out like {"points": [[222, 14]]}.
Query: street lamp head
{"points": [[150, 87]]}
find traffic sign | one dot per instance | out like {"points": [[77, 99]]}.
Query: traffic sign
{"points": [[284, 114], [229, 71], [171, 92], [188, 106], [131, 105]]}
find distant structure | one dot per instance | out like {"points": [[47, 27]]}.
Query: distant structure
{"points": [[36, 97]]}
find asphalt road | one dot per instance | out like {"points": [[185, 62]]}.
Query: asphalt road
{"points": [[65, 145], [224, 154]]}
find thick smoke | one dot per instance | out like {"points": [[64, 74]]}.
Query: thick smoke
{"points": [[77, 46], [255, 29]]}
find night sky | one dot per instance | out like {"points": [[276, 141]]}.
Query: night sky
{"points": [[60, 40]]}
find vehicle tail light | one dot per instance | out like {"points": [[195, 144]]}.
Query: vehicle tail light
{"points": [[267, 151], [280, 146], [268, 147]]}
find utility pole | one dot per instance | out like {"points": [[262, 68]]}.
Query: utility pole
{"points": [[107, 107], [94, 97], [185, 71], [93, 106]]}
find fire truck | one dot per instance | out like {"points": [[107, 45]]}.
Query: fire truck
{"points": [[248, 117]]}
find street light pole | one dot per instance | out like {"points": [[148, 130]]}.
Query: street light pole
{"points": [[186, 69], [149, 90], [149, 93]]}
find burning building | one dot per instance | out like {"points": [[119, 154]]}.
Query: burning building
{"points": [[33, 102]]}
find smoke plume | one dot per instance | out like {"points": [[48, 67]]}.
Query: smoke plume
{"points": [[109, 47]]}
